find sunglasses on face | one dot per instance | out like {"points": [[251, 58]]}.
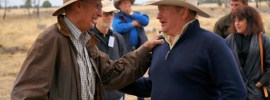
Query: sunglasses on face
{"points": [[108, 13]]}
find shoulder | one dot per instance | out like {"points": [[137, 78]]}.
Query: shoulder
{"points": [[226, 17], [229, 37], [118, 36], [223, 19], [119, 14], [211, 39], [137, 12], [50, 34], [266, 39]]}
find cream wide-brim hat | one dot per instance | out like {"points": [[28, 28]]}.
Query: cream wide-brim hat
{"points": [[108, 7], [61, 9], [117, 3], [190, 4]]}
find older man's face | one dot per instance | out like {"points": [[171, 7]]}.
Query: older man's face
{"points": [[169, 18], [106, 19], [88, 14]]}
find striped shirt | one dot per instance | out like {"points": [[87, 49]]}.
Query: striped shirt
{"points": [[86, 71]]}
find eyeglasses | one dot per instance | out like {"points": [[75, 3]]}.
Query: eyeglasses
{"points": [[98, 5], [108, 13]]}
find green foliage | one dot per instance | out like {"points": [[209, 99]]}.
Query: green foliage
{"points": [[28, 4], [46, 4]]}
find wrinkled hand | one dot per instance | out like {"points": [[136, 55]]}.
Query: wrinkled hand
{"points": [[264, 80], [136, 23], [150, 44]]}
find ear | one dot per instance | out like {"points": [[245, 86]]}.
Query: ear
{"points": [[185, 13]]}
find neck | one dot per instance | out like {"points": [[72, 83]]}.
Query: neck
{"points": [[178, 31], [103, 30], [76, 23]]}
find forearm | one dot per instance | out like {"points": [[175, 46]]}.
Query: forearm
{"points": [[141, 87], [127, 69], [141, 18], [120, 26]]}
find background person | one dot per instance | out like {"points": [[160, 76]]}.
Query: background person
{"points": [[223, 24], [246, 25], [193, 63], [130, 24], [110, 43]]}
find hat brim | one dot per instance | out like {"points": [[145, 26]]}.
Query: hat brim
{"points": [[179, 3], [61, 9], [108, 9], [116, 3]]}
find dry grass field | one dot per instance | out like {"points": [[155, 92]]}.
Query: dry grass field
{"points": [[19, 31]]}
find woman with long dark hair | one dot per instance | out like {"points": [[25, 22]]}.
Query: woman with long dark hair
{"points": [[244, 42]]}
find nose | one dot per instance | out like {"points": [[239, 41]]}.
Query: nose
{"points": [[111, 16], [236, 23], [158, 16]]}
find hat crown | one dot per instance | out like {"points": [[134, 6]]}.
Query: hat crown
{"points": [[108, 6], [64, 1], [193, 2], [190, 4], [117, 3]]}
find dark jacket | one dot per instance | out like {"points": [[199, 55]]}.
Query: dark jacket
{"points": [[200, 66], [51, 72], [251, 71], [121, 21], [222, 26], [115, 52]]}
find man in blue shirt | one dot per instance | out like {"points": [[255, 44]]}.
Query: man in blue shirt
{"points": [[130, 24], [193, 63]]}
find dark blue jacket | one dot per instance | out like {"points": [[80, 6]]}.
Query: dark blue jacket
{"points": [[122, 24], [200, 66], [115, 52]]}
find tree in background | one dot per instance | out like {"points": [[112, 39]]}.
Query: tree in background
{"points": [[0, 4], [28, 5], [257, 3], [46, 4], [36, 3], [225, 3], [5, 12], [268, 3]]}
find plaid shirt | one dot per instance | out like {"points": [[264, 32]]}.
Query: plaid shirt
{"points": [[86, 71]]}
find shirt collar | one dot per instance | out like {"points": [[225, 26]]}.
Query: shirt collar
{"points": [[177, 37], [75, 31]]}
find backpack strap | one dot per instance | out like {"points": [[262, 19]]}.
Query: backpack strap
{"points": [[261, 62]]}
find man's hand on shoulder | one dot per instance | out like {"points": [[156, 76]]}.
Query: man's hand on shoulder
{"points": [[150, 44]]}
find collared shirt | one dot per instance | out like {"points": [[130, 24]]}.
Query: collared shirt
{"points": [[177, 37], [86, 71]]}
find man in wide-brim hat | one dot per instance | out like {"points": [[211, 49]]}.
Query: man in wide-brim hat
{"points": [[117, 3], [193, 63], [65, 64]]}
